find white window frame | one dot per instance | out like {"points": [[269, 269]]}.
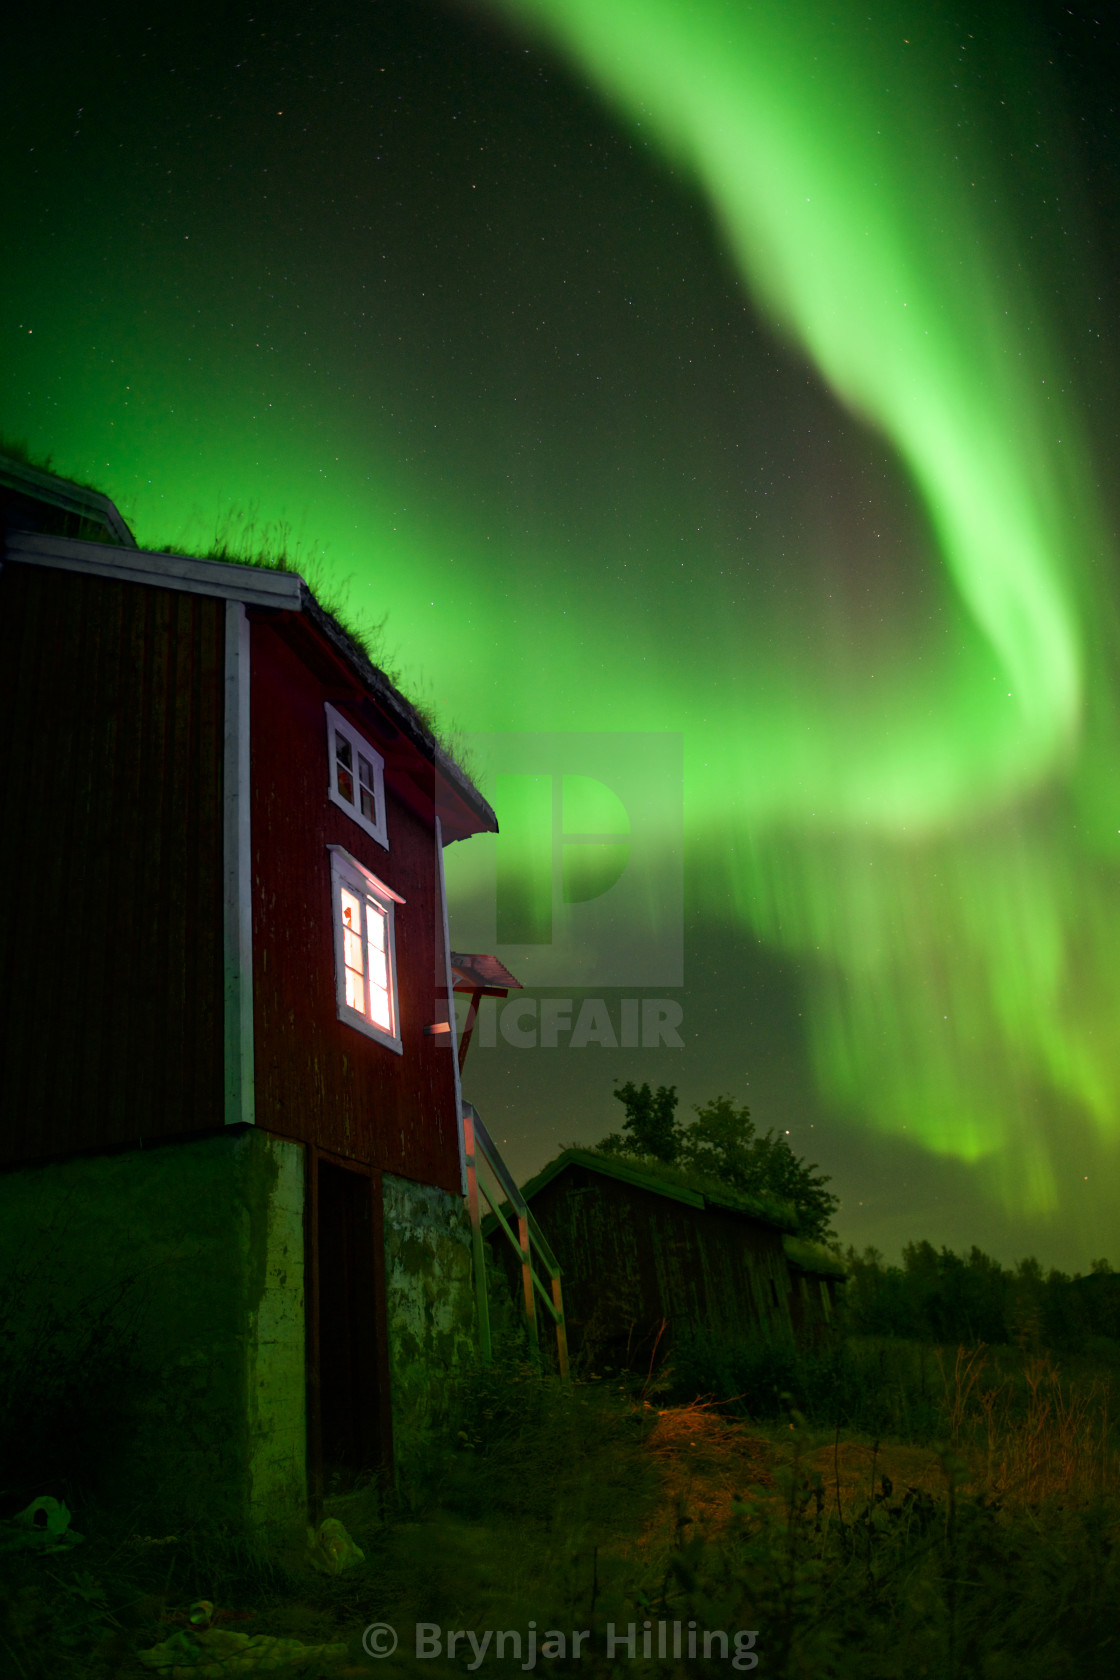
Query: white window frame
{"points": [[364, 884], [336, 723]]}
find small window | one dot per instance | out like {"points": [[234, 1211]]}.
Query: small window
{"points": [[363, 910], [356, 776]]}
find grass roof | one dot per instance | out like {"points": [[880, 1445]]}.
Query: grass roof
{"points": [[695, 1189]]}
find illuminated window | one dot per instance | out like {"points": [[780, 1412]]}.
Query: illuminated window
{"points": [[363, 910], [356, 776]]}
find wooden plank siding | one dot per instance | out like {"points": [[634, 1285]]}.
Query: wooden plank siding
{"points": [[111, 853], [317, 1078], [631, 1259]]}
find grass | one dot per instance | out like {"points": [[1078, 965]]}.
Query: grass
{"points": [[754, 1202], [17, 449], [244, 539], [988, 1544]]}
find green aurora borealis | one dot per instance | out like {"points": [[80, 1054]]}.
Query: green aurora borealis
{"points": [[742, 371]]}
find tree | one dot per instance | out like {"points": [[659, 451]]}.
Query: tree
{"points": [[722, 1143], [650, 1126]]}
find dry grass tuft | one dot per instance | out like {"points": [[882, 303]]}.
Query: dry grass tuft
{"points": [[1043, 1438], [706, 1463]]}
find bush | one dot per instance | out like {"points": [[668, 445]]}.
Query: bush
{"points": [[868, 1387]]}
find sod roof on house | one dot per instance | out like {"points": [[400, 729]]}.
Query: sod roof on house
{"points": [[49, 520]]}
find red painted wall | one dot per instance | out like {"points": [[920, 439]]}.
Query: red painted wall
{"points": [[317, 1078]]}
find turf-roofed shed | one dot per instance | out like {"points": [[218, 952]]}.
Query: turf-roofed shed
{"points": [[646, 1255], [229, 1097], [816, 1288]]}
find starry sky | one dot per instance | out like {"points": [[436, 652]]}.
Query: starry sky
{"points": [[718, 396]]}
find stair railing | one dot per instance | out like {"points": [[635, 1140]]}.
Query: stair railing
{"points": [[480, 1150]]}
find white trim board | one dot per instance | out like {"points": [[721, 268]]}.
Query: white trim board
{"points": [[256, 586], [240, 1099], [359, 747], [37, 485], [373, 881], [448, 980]]}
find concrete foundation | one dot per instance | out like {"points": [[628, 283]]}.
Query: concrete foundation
{"points": [[201, 1246], [430, 1304]]}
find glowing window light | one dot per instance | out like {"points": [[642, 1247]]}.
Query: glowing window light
{"points": [[381, 1008], [364, 949], [352, 950]]}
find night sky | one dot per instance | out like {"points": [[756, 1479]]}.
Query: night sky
{"points": [[740, 377]]}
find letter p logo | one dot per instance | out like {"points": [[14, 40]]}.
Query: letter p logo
{"points": [[563, 840], [583, 884]]}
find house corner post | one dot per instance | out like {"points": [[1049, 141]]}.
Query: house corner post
{"points": [[240, 1105], [444, 930]]}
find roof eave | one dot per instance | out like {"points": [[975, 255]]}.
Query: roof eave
{"points": [[63, 493], [454, 799], [626, 1173], [480, 816]]}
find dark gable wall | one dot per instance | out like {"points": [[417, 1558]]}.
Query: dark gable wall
{"points": [[110, 862], [631, 1258], [317, 1078]]}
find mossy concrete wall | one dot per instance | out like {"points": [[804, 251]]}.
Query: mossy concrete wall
{"points": [[204, 1242], [430, 1304]]}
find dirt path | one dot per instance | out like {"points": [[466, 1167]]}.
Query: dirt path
{"points": [[707, 1462]]}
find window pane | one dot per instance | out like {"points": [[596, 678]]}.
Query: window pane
{"points": [[343, 768], [352, 950], [379, 1009], [378, 967], [355, 991], [365, 771], [375, 919], [369, 809], [351, 910]]}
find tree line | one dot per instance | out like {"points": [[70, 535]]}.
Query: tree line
{"points": [[939, 1296]]}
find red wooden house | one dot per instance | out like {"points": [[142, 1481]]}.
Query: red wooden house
{"points": [[227, 1070]]}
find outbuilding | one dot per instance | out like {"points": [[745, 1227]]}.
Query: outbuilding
{"points": [[645, 1256]]}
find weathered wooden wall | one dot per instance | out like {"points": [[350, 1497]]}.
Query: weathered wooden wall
{"points": [[632, 1258], [110, 862], [812, 1305]]}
